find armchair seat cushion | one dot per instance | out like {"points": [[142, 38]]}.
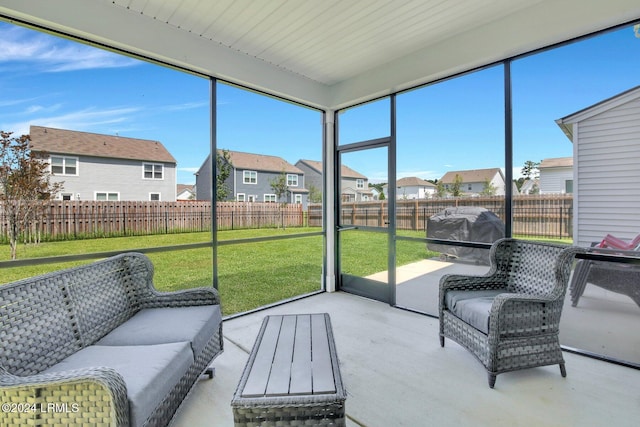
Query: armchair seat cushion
{"points": [[473, 307], [195, 324], [150, 372]]}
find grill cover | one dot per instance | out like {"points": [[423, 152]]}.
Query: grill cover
{"points": [[466, 223]]}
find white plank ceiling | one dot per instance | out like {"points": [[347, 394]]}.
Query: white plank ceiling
{"points": [[326, 53]]}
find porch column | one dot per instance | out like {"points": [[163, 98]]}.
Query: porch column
{"points": [[329, 201]]}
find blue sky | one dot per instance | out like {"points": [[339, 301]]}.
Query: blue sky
{"points": [[453, 125]]}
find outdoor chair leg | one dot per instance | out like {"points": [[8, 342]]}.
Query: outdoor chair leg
{"points": [[563, 370], [492, 380], [441, 341], [210, 372]]}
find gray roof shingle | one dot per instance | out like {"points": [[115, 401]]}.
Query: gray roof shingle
{"points": [[62, 141]]}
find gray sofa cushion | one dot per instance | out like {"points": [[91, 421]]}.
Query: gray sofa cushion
{"points": [[149, 371], [473, 307], [195, 324]]}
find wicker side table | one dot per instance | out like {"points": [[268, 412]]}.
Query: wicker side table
{"points": [[292, 376]]}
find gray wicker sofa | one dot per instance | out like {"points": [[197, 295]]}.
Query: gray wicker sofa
{"points": [[98, 345]]}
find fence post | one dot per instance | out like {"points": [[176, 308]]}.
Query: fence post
{"points": [[561, 221]]}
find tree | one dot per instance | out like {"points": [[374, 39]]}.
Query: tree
{"points": [[223, 167], [379, 187], [279, 186], [488, 189], [315, 195], [441, 190], [24, 185], [530, 169], [456, 187]]}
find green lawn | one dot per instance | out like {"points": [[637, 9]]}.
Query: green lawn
{"points": [[250, 275]]}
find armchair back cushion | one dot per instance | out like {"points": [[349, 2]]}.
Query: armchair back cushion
{"points": [[529, 268]]}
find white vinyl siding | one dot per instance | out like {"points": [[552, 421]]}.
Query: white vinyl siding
{"points": [[553, 180], [607, 180]]}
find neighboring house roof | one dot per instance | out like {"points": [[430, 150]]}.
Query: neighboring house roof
{"points": [[62, 141], [345, 171], [180, 188], [413, 181], [558, 162], [566, 123], [261, 162], [528, 185], [474, 175]]}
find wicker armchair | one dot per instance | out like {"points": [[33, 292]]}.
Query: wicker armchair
{"points": [[509, 317]]}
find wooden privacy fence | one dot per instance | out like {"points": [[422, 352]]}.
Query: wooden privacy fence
{"points": [[76, 219], [533, 216]]}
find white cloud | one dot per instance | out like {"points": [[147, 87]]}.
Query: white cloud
{"points": [[51, 54], [84, 120], [186, 106]]}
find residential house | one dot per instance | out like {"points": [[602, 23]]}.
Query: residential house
{"points": [[354, 186], [530, 186], [104, 167], [251, 179], [606, 152], [412, 188], [185, 192], [556, 175], [474, 182]]}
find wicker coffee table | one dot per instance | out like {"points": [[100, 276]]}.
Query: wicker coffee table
{"points": [[292, 376]]}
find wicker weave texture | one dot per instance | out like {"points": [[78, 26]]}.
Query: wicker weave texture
{"points": [[45, 319], [524, 321]]}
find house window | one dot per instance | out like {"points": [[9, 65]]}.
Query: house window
{"points": [[292, 180], [104, 196], [298, 199], [251, 198], [250, 177], [360, 183], [270, 198], [61, 165], [568, 186], [153, 170], [240, 197], [154, 197], [67, 196], [469, 187]]}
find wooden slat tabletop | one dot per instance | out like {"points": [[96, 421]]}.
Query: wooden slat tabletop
{"points": [[293, 357]]}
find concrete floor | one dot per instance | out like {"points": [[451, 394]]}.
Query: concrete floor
{"points": [[397, 374], [603, 322]]}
